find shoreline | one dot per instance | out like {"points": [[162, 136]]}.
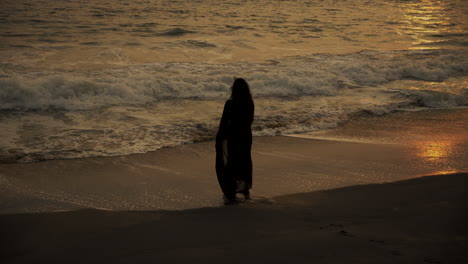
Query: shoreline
{"points": [[183, 177], [125, 130], [322, 134]]}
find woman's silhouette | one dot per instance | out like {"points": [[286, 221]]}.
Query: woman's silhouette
{"points": [[234, 141]]}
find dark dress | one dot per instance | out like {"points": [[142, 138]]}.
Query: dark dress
{"points": [[233, 145]]}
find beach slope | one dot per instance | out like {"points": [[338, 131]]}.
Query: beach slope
{"points": [[421, 220]]}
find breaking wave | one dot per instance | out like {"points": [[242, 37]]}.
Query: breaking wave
{"points": [[140, 108], [318, 74]]}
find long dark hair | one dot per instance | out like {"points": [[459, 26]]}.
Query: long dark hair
{"points": [[240, 91]]}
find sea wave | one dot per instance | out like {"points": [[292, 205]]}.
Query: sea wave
{"points": [[317, 74]]}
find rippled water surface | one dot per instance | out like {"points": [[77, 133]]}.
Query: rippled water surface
{"points": [[98, 78], [96, 34]]}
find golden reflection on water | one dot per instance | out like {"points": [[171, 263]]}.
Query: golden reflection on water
{"points": [[423, 20], [437, 154], [443, 172], [434, 150]]}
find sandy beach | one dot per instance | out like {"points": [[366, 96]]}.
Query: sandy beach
{"points": [[385, 197], [421, 220]]}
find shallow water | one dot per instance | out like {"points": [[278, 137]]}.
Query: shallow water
{"points": [[435, 139]]}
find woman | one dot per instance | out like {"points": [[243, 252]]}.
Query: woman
{"points": [[234, 141]]}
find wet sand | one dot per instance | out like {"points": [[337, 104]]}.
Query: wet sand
{"points": [[390, 148], [184, 177]]}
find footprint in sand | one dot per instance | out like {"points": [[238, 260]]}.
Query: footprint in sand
{"points": [[337, 227], [377, 241], [345, 233]]}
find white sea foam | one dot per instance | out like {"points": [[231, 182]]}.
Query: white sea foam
{"points": [[320, 74], [146, 107]]}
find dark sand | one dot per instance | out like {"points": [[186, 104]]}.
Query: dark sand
{"points": [[315, 201], [420, 220]]}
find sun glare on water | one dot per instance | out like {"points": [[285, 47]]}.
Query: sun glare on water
{"points": [[438, 155], [435, 150], [425, 21]]}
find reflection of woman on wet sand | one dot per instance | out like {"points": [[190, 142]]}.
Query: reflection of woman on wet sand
{"points": [[234, 141]]}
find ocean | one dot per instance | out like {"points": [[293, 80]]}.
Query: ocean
{"points": [[116, 77]]}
